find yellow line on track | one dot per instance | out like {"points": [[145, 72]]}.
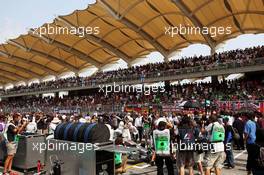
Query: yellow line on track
{"points": [[132, 166]]}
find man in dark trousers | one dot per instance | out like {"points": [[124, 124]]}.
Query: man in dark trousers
{"points": [[238, 124], [250, 139], [162, 146], [229, 162]]}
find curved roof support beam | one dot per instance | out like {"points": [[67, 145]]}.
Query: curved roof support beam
{"points": [[200, 7], [20, 69], [160, 15], [131, 7], [194, 20], [98, 48], [109, 59], [26, 61], [135, 28], [245, 17], [111, 31], [237, 13], [12, 74], [236, 22], [69, 49], [139, 54], [99, 41], [130, 40], [2, 83], [96, 18], [44, 55], [6, 79]]}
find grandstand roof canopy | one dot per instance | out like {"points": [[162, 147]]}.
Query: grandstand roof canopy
{"points": [[128, 29]]}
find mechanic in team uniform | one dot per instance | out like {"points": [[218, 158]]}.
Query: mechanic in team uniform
{"points": [[215, 156], [162, 147]]}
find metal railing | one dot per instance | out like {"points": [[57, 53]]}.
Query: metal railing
{"points": [[85, 109]]}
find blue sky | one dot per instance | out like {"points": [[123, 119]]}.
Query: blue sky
{"points": [[16, 16]]}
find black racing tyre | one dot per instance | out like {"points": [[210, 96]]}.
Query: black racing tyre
{"points": [[80, 135], [71, 130], [99, 134]]}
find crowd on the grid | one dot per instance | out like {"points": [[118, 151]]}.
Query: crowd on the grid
{"points": [[226, 90], [164, 134], [239, 57]]}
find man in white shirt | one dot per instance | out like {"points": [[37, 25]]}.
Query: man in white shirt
{"points": [[32, 126], [215, 156], [139, 126]]}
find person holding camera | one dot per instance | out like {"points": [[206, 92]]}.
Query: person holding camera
{"points": [[13, 128]]}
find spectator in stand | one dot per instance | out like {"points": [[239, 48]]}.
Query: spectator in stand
{"points": [[227, 90], [238, 57]]}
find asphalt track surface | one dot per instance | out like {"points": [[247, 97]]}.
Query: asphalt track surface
{"points": [[145, 169]]}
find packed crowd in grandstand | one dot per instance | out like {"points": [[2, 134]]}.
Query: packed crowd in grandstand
{"points": [[238, 57], [237, 90]]}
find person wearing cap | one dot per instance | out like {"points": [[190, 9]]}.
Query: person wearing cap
{"points": [[12, 129], [162, 147], [53, 124]]}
